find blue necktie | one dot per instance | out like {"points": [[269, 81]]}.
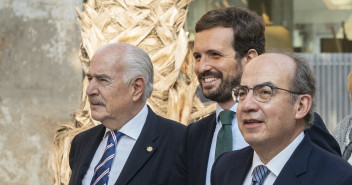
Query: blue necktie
{"points": [[259, 174], [102, 170]]}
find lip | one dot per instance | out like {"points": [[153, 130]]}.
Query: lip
{"points": [[252, 123], [92, 106]]}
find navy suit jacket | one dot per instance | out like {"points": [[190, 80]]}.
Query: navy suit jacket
{"points": [[308, 165], [192, 160], [141, 167]]}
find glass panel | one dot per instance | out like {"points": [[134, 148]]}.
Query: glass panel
{"points": [[314, 26]]}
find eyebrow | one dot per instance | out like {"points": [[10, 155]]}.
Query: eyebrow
{"points": [[195, 53], [208, 51], [99, 76], [267, 83], [264, 83]]}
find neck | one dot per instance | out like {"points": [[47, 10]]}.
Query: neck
{"points": [[227, 105], [267, 151], [118, 122]]}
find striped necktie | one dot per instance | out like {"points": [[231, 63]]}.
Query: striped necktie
{"points": [[259, 174], [101, 171]]}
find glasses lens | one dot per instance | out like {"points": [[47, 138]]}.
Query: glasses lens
{"points": [[239, 93], [263, 93]]}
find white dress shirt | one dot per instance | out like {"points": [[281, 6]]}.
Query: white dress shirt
{"points": [[131, 131], [238, 141], [276, 164]]}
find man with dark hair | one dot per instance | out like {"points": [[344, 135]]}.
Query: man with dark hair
{"points": [[275, 101], [226, 40], [132, 145]]}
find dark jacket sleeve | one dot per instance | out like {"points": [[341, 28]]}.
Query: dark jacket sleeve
{"points": [[320, 135]]}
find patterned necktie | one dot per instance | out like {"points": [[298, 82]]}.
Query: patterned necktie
{"points": [[101, 171], [259, 174], [224, 139]]}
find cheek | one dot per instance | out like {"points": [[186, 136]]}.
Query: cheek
{"points": [[196, 68]]}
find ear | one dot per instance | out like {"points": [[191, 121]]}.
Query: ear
{"points": [[138, 85], [303, 105], [251, 54]]}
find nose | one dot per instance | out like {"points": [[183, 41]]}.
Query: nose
{"points": [[249, 104], [92, 88], [202, 65]]}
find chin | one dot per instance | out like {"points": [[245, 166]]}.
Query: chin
{"points": [[252, 139], [96, 117]]}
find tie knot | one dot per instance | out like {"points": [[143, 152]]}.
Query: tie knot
{"points": [[259, 174], [226, 117], [114, 136]]}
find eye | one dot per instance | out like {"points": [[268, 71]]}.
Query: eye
{"points": [[104, 80], [242, 93], [264, 91], [215, 55], [197, 57], [89, 78]]}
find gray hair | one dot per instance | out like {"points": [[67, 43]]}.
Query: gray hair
{"points": [[137, 63], [303, 82]]}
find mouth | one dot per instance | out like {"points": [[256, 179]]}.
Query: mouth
{"points": [[251, 123], [210, 79]]}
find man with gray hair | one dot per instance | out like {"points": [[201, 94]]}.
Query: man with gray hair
{"points": [[275, 100], [133, 145]]}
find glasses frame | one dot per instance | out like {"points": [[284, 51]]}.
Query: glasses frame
{"points": [[272, 87]]}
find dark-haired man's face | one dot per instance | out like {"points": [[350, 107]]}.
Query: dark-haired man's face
{"points": [[216, 67]]}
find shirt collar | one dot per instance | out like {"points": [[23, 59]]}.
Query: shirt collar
{"points": [[219, 109], [134, 126], [276, 164]]}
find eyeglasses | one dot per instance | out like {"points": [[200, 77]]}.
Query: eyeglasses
{"points": [[262, 92]]}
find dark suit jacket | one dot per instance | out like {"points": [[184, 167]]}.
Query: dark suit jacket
{"points": [[141, 167], [192, 160], [308, 165]]}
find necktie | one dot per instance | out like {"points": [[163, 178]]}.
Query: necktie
{"points": [[224, 139], [101, 171], [259, 174]]}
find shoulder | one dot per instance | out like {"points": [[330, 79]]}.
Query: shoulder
{"points": [[332, 167], [328, 164], [201, 129], [206, 122], [167, 125], [231, 158], [328, 159], [89, 133]]}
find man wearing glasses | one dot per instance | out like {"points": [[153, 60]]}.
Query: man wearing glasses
{"points": [[226, 40], [274, 108]]}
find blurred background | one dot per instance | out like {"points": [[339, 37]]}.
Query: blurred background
{"points": [[41, 74]]}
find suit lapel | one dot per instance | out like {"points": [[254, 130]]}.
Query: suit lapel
{"points": [[297, 165], [89, 153], [207, 133], [145, 147], [244, 166]]}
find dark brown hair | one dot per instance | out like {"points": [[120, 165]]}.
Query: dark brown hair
{"points": [[248, 28]]}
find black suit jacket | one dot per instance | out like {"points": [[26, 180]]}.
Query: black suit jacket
{"points": [[308, 165], [141, 167], [192, 160]]}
